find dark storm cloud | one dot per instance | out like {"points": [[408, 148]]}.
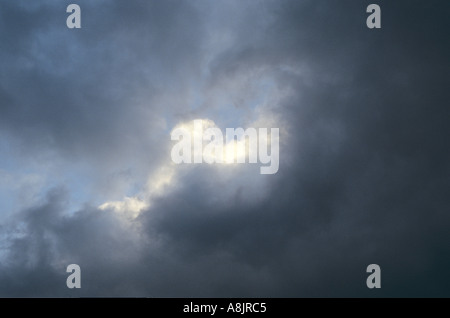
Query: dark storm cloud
{"points": [[364, 173], [82, 92], [92, 96]]}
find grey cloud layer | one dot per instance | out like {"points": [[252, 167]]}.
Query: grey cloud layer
{"points": [[364, 173]]}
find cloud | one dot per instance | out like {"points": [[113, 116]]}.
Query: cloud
{"points": [[363, 172]]}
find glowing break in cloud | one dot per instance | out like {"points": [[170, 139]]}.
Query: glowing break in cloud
{"points": [[238, 146]]}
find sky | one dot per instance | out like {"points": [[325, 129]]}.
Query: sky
{"points": [[86, 175]]}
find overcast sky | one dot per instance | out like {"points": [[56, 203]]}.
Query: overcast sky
{"points": [[86, 175]]}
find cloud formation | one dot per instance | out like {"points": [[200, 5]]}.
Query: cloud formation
{"points": [[86, 175]]}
